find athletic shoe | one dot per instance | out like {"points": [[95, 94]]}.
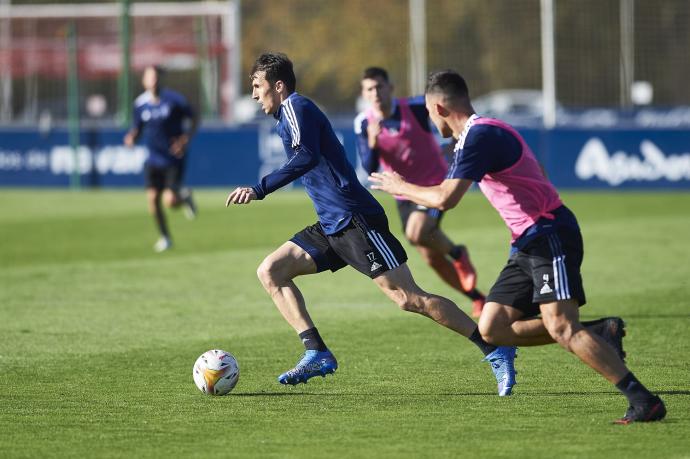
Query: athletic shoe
{"points": [[313, 363], [190, 209], [654, 410], [502, 361], [466, 273], [612, 329], [477, 306], [162, 244]]}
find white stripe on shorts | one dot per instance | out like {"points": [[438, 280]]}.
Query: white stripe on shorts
{"points": [[560, 274], [383, 248]]}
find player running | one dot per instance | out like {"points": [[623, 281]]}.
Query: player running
{"points": [[161, 117], [395, 133], [543, 272], [352, 229]]}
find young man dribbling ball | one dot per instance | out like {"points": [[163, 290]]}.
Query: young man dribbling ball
{"points": [[352, 229]]}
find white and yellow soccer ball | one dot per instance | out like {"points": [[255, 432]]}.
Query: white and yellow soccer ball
{"points": [[216, 372]]}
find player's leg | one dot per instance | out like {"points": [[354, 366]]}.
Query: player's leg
{"points": [[370, 247], [497, 325], [433, 237], [306, 253], [155, 184], [422, 229], [544, 277], [177, 195], [561, 319], [276, 273], [399, 285], [507, 325]]}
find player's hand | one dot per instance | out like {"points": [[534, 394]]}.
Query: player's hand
{"points": [[373, 131], [390, 182], [241, 195], [129, 140], [178, 145]]}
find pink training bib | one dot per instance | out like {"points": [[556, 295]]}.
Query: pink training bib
{"points": [[412, 151], [521, 193]]}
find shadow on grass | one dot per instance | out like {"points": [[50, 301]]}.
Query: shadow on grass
{"points": [[455, 394], [673, 392], [652, 316]]}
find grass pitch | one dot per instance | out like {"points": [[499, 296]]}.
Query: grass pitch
{"points": [[98, 336]]}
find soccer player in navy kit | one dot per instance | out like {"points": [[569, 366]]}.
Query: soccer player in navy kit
{"points": [[542, 275], [160, 117], [352, 229]]}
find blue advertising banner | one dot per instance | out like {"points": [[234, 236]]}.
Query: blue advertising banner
{"points": [[617, 158], [573, 158]]}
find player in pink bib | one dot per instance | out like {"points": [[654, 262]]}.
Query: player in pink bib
{"points": [[395, 134], [542, 275]]}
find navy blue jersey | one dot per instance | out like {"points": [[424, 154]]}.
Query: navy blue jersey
{"points": [[369, 157], [315, 154], [159, 123], [482, 150]]}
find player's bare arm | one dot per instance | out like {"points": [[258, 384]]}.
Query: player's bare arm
{"points": [[240, 195], [443, 196], [178, 145], [131, 137], [373, 130]]}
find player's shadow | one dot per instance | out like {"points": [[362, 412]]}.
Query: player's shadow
{"points": [[276, 394], [673, 392], [645, 316], [454, 394]]}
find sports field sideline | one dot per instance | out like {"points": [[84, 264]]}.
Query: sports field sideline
{"points": [[98, 335]]}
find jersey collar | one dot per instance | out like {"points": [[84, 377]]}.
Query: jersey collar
{"points": [[276, 115], [468, 124]]}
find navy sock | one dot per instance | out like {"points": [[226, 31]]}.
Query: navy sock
{"points": [[456, 252], [483, 346], [589, 323], [312, 340], [633, 390], [474, 294]]}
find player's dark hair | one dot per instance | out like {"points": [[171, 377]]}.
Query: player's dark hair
{"points": [[375, 72], [160, 71], [277, 67], [449, 83]]}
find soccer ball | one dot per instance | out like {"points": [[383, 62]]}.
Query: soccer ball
{"points": [[216, 372]]}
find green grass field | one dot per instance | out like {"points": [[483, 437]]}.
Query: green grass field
{"points": [[98, 336]]}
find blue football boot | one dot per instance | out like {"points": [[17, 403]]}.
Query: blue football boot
{"points": [[313, 363], [502, 361]]}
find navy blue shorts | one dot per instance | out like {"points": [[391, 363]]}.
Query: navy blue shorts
{"points": [[365, 243], [405, 209], [547, 269], [169, 177]]}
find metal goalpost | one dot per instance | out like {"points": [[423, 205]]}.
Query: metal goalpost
{"points": [[228, 11]]}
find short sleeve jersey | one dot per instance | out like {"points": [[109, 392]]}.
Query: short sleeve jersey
{"points": [[492, 153], [159, 123], [485, 149]]}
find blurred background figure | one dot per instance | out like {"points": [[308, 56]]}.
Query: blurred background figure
{"points": [[166, 122]]}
